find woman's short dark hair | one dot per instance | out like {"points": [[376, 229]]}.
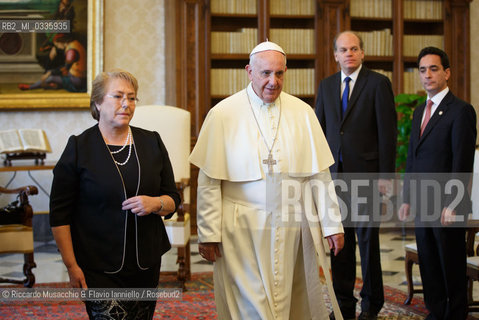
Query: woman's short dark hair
{"points": [[437, 52], [99, 87]]}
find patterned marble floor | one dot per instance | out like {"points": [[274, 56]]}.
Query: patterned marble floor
{"points": [[51, 269]]}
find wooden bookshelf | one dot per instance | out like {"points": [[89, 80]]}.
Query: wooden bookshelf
{"points": [[415, 24], [191, 26], [218, 34], [229, 38]]}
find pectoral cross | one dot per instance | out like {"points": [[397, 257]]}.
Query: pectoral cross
{"points": [[270, 162]]}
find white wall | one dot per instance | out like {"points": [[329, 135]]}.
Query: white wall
{"points": [[135, 41]]}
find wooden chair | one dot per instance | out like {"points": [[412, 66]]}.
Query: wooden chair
{"points": [[412, 258], [473, 260], [472, 271], [16, 234], [174, 125]]}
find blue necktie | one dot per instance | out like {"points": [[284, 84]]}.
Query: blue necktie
{"points": [[345, 98]]}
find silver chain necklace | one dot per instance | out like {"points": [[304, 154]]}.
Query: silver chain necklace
{"points": [[269, 161], [126, 218]]}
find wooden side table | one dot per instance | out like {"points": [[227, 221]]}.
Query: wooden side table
{"points": [[28, 166]]}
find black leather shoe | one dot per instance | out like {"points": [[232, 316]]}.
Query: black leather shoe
{"points": [[332, 317], [367, 316]]}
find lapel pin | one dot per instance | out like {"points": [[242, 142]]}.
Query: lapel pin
{"points": [[440, 113]]}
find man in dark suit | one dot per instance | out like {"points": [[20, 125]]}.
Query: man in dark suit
{"points": [[357, 113], [442, 142]]}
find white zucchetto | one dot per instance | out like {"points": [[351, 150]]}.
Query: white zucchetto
{"points": [[265, 46]]}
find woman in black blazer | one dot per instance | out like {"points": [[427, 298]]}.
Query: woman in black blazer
{"points": [[110, 188]]}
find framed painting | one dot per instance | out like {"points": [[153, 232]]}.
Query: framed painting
{"points": [[50, 51]]}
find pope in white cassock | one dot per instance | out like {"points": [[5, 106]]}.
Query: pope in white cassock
{"points": [[265, 199]]}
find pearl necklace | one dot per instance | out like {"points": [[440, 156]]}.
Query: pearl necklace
{"points": [[124, 145], [128, 141]]}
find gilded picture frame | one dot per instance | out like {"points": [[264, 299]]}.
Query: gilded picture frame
{"points": [[62, 99]]}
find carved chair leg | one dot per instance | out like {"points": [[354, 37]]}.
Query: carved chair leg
{"points": [[181, 267], [410, 285], [469, 291], [184, 264], [187, 261], [28, 265]]}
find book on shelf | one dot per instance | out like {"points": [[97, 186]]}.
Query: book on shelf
{"points": [[412, 82], [225, 82], [283, 7], [299, 82], [294, 41], [413, 9], [423, 9], [371, 8], [377, 42], [24, 141], [414, 43], [292, 7], [233, 7], [241, 41]]}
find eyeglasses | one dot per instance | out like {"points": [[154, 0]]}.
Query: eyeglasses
{"points": [[119, 98]]}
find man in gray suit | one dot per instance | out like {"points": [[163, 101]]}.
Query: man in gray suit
{"points": [[357, 113]]}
